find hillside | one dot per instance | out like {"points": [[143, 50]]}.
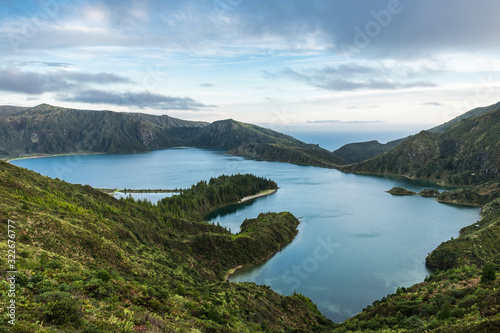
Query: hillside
{"points": [[463, 298], [362, 151], [478, 243], [469, 114], [231, 134], [303, 155], [48, 130], [52, 130], [467, 153], [87, 262]]}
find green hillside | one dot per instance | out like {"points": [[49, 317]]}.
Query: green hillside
{"points": [[465, 296], [230, 134], [469, 114], [87, 262], [468, 153], [48, 130], [361, 151], [304, 155]]}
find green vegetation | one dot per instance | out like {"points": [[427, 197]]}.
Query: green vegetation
{"points": [[448, 301], [309, 155], [489, 273], [469, 114], [464, 154], [206, 196], [477, 244], [400, 191], [362, 151], [465, 296], [90, 263], [429, 193], [49, 130]]}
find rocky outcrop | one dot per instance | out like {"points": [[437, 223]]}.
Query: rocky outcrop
{"points": [[400, 191]]}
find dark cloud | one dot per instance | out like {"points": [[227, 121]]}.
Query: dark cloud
{"points": [[386, 28], [134, 99], [347, 78], [433, 103], [16, 80]]}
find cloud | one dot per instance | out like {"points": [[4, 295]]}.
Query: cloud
{"points": [[19, 81], [347, 78], [41, 64], [411, 28], [70, 86], [136, 99], [208, 85], [432, 103]]}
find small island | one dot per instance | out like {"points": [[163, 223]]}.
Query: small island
{"points": [[400, 191]]}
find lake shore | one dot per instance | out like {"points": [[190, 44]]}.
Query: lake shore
{"points": [[28, 156], [258, 195], [113, 190]]}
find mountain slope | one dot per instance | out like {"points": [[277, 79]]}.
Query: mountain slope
{"points": [[52, 130], [87, 262], [362, 151], [230, 134], [308, 155], [46, 129], [469, 114], [467, 153]]}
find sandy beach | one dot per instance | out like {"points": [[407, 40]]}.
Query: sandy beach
{"points": [[258, 195]]}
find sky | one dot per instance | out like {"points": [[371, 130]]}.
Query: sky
{"points": [[284, 64]]}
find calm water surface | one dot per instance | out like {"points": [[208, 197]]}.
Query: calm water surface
{"points": [[356, 243]]}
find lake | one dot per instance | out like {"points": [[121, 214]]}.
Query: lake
{"points": [[356, 243]]}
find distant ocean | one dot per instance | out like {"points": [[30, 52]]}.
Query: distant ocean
{"points": [[332, 140]]}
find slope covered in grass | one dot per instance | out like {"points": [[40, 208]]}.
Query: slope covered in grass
{"points": [[90, 263], [467, 153]]}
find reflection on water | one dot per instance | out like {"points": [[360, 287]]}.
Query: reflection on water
{"points": [[229, 210]]}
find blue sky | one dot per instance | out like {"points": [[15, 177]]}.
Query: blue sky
{"points": [[315, 63]]}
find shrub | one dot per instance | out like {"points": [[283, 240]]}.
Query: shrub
{"points": [[458, 313], [412, 322], [180, 289], [445, 312], [59, 307], [488, 273], [103, 275], [55, 264], [467, 301], [96, 288]]}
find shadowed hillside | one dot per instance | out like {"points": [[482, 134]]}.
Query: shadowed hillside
{"points": [[362, 151], [467, 153], [48, 130]]}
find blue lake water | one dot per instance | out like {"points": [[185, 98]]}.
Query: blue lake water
{"points": [[356, 243]]}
